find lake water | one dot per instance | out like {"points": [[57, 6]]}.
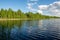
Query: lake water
{"points": [[47, 29]]}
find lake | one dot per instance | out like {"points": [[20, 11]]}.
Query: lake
{"points": [[47, 29]]}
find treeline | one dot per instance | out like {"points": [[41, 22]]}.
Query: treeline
{"points": [[11, 14], [4, 13]]}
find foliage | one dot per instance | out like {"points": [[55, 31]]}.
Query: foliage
{"points": [[19, 14]]}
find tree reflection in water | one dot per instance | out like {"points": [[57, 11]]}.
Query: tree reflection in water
{"points": [[7, 26]]}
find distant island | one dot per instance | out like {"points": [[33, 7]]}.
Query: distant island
{"points": [[19, 15]]}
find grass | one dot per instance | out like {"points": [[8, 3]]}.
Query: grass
{"points": [[1, 19]]}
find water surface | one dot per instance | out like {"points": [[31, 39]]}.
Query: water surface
{"points": [[48, 29]]}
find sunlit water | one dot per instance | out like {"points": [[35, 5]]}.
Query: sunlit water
{"points": [[48, 29]]}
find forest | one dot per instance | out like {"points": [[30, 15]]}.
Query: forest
{"points": [[10, 14]]}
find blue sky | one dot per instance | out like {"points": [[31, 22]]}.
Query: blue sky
{"points": [[20, 4], [14, 4], [26, 5]]}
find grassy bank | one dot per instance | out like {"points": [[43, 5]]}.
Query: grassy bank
{"points": [[2, 19]]}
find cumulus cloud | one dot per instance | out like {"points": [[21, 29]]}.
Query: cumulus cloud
{"points": [[43, 7], [30, 4], [53, 9], [39, 11], [33, 0]]}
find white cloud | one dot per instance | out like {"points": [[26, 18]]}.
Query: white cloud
{"points": [[43, 7], [53, 8], [33, 0], [39, 11], [30, 4]]}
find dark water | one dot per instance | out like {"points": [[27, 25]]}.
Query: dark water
{"points": [[30, 30]]}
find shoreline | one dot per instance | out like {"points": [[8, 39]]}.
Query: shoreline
{"points": [[20, 19], [13, 19]]}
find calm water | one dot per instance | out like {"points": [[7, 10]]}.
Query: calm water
{"points": [[30, 30]]}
